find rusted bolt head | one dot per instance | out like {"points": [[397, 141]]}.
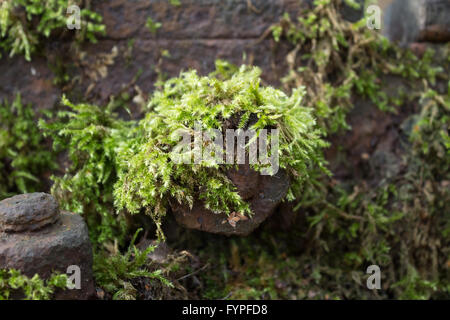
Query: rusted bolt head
{"points": [[28, 212]]}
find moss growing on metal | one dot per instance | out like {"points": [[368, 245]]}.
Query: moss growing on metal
{"points": [[133, 160]]}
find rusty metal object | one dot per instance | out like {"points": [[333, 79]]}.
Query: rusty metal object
{"points": [[264, 195], [36, 238], [245, 179], [28, 212]]}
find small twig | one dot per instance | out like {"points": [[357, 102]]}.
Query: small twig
{"points": [[194, 273], [252, 7], [262, 37], [344, 214], [227, 296]]}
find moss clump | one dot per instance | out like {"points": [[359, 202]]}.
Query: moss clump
{"points": [[133, 159], [149, 177], [24, 22], [91, 136], [23, 159]]}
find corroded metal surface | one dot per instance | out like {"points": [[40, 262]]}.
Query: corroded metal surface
{"points": [[29, 211], [52, 241], [265, 196]]}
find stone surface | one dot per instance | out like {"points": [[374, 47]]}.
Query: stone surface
{"points": [[195, 34], [193, 19], [266, 196], [30, 211], [33, 80], [53, 247]]}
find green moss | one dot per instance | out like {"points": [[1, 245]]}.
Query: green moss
{"points": [[175, 3], [115, 272], [23, 156], [338, 59], [133, 160], [399, 221], [13, 284], [91, 135], [353, 224], [23, 24], [149, 177], [152, 25]]}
